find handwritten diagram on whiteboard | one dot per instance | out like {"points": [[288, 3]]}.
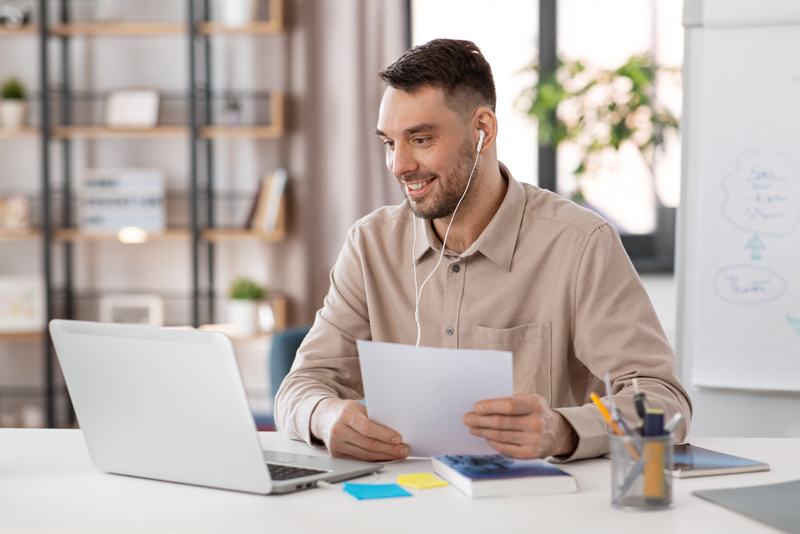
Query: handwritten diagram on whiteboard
{"points": [[746, 253]]}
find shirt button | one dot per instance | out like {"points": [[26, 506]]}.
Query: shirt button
{"points": [[449, 330], [456, 268]]}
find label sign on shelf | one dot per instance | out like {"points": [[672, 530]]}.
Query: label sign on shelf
{"points": [[111, 199]]}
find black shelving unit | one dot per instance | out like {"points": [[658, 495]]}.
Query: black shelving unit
{"points": [[56, 109]]}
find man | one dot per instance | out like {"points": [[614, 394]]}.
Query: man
{"points": [[521, 270]]}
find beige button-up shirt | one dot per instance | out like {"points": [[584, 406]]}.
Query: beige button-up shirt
{"points": [[547, 280]]}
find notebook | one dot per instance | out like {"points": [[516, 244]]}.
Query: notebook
{"points": [[169, 404], [692, 461]]}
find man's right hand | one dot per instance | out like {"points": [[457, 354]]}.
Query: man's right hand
{"points": [[346, 430]]}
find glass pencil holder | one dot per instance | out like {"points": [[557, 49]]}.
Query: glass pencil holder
{"points": [[641, 472]]}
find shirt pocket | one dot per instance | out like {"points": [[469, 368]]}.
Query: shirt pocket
{"points": [[531, 347]]}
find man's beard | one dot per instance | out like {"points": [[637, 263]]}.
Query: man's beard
{"points": [[448, 195]]}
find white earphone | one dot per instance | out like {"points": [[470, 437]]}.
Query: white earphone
{"points": [[418, 293]]}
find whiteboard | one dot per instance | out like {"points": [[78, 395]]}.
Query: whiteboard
{"points": [[739, 233]]}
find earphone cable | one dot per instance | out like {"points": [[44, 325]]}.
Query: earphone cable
{"points": [[418, 293]]}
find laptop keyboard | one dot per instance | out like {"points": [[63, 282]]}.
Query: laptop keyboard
{"points": [[287, 472]]}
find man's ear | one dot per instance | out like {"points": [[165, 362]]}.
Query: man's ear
{"points": [[486, 121]]}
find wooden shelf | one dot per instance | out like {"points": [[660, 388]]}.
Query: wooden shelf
{"points": [[19, 133], [273, 25], [120, 29], [236, 234], [270, 131], [264, 28], [33, 335], [19, 235], [72, 234], [24, 30], [279, 304], [244, 235], [97, 132], [262, 132]]}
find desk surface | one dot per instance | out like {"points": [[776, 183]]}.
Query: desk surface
{"points": [[48, 483]]}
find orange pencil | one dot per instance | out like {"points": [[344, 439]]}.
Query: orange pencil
{"points": [[614, 427]]}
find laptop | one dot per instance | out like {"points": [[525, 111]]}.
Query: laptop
{"points": [[169, 404]]}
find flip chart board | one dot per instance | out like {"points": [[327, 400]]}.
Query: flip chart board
{"points": [[739, 230]]}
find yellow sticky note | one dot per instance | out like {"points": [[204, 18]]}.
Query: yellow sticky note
{"points": [[420, 481]]}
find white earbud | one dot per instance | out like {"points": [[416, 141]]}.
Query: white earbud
{"points": [[480, 141]]}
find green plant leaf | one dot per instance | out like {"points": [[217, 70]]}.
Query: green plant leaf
{"points": [[591, 107], [12, 89], [246, 289]]}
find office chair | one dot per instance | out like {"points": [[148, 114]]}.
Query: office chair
{"points": [[282, 352], [281, 356]]}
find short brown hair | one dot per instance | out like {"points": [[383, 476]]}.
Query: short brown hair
{"points": [[456, 66]]}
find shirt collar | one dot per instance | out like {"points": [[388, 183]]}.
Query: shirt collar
{"points": [[497, 241]]}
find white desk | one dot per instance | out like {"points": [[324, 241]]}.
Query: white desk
{"points": [[47, 483]]}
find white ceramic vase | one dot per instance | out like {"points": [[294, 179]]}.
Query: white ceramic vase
{"points": [[243, 315], [237, 12], [12, 114]]}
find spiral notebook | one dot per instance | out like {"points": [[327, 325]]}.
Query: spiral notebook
{"points": [[693, 461]]}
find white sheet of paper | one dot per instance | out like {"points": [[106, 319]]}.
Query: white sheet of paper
{"points": [[423, 392]]}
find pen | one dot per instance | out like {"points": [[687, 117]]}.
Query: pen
{"points": [[672, 423], [614, 426], [639, 400], [607, 382], [616, 415], [604, 411]]}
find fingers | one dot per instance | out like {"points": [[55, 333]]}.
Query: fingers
{"points": [[512, 430], [516, 426], [515, 450], [520, 413], [526, 442], [349, 433], [519, 404]]}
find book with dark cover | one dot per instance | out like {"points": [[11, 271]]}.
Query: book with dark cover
{"points": [[495, 475], [692, 461]]}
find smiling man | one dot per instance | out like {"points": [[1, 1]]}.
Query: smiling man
{"points": [[505, 266]]}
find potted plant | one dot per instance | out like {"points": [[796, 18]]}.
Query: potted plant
{"points": [[237, 12], [600, 110], [12, 105], [245, 295]]}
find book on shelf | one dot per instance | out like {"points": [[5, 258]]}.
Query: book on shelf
{"points": [[497, 475], [253, 209], [267, 203], [693, 461]]}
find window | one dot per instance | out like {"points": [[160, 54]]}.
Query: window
{"points": [[637, 199], [507, 33], [606, 34]]}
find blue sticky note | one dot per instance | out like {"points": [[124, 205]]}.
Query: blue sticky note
{"points": [[375, 491]]}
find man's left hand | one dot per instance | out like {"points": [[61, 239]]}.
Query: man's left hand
{"points": [[522, 426]]}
